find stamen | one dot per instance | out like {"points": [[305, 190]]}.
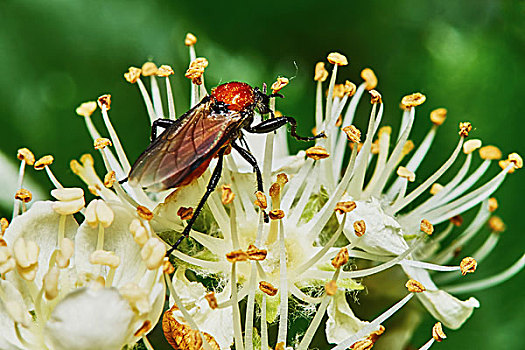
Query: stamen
{"points": [[237, 330], [283, 286], [166, 71], [150, 69]]}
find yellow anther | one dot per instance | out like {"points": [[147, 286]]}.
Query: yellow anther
{"points": [[43, 162], [144, 329], [320, 72], [337, 58], [496, 224], [350, 88], [359, 228], [435, 188], [437, 332], [471, 145], [341, 258], [276, 214], [267, 288], [426, 227], [464, 128], [236, 255], [370, 78], [406, 174], [375, 97], [339, 91], [212, 300], [493, 204], [86, 109], [4, 224], [26, 155], [279, 84], [104, 101], [414, 286], [456, 220], [353, 134], [185, 213], [317, 153], [468, 265], [167, 266], [101, 143], [227, 194], [438, 116], [190, 40], [149, 69], [165, 71], [260, 200], [196, 70], [330, 287], [255, 253], [23, 195], [345, 207], [413, 100], [407, 148], [132, 75], [144, 213], [490, 153], [516, 159], [109, 179]]}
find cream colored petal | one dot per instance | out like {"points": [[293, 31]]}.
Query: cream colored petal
{"points": [[8, 339], [341, 323]]}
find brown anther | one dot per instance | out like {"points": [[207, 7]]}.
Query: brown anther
{"points": [[196, 70], [276, 214], [26, 155], [435, 188], [102, 143], [516, 159], [370, 78], [350, 88], [104, 101], [144, 213], [353, 134], [23, 195], [365, 344], [165, 71], [317, 152], [190, 39], [468, 265], [437, 332], [282, 179], [375, 97], [407, 148], [255, 253], [227, 194], [320, 72], [339, 91], [4, 224], [344, 207], [109, 179], [341, 258], [406, 174], [43, 162], [149, 69], [493, 204], [275, 190], [426, 227], [339, 121], [185, 213], [132, 75], [146, 326], [267, 288], [86, 108], [413, 100], [212, 300], [236, 255], [464, 129], [414, 286], [359, 228], [456, 220], [496, 224], [337, 58], [471, 145], [260, 200], [438, 116], [167, 266], [279, 84], [330, 287], [490, 153], [505, 163]]}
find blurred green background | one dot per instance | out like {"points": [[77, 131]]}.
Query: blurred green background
{"points": [[468, 56]]}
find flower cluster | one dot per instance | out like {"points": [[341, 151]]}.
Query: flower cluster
{"points": [[341, 212]]}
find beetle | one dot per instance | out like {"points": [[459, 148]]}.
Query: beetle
{"points": [[183, 151]]}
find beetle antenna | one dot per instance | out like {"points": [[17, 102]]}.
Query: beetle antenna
{"points": [[123, 180]]}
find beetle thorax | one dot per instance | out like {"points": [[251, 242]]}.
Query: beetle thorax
{"points": [[236, 95]]}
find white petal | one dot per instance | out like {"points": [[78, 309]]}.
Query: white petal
{"points": [[341, 323], [90, 319], [8, 339]]}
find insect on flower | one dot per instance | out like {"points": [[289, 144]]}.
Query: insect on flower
{"points": [[183, 151]]}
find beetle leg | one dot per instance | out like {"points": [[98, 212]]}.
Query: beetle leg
{"points": [[162, 123], [273, 124], [212, 184]]}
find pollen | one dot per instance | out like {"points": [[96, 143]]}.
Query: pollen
{"points": [[438, 116], [144, 213], [317, 153], [320, 72], [227, 194], [516, 159], [43, 162], [101, 143], [370, 78], [330, 287], [406, 174], [110, 179], [4, 224], [471, 145], [132, 75], [350, 88], [23, 195], [260, 200], [337, 58], [352, 133], [464, 128], [490, 153], [267, 288], [105, 101], [468, 265], [493, 204], [149, 69], [359, 228], [414, 286], [413, 100], [190, 39], [212, 300], [426, 227], [165, 71], [26, 155], [496, 224], [345, 207], [375, 97], [456, 220], [236, 255], [341, 258], [279, 84], [255, 253], [276, 214], [437, 332]]}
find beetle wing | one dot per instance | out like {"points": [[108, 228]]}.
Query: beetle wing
{"points": [[183, 151]]}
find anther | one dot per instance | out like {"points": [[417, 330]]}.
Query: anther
{"points": [[407, 148], [212, 300], [255, 253], [320, 72], [426, 227], [435, 188], [23, 195], [101, 143], [98, 212], [227, 194], [375, 97], [132, 75], [153, 253], [4, 224], [70, 200], [350, 88], [337, 58], [260, 200], [104, 101], [490, 153], [196, 70], [496, 224], [341, 258], [370, 78], [146, 326], [236, 255], [516, 159], [26, 155], [64, 254], [359, 228], [185, 213], [352, 133], [190, 40], [144, 213], [165, 71], [167, 266], [406, 174], [86, 109], [330, 287], [468, 265], [437, 332], [438, 116], [149, 69], [43, 162], [413, 100], [339, 91], [493, 204], [267, 288], [279, 84], [317, 153], [282, 179], [109, 179], [471, 145], [50, 283], [414, 286], [276, 214], [456, 220], [464, 128], [275, 190], [345, 207]]}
